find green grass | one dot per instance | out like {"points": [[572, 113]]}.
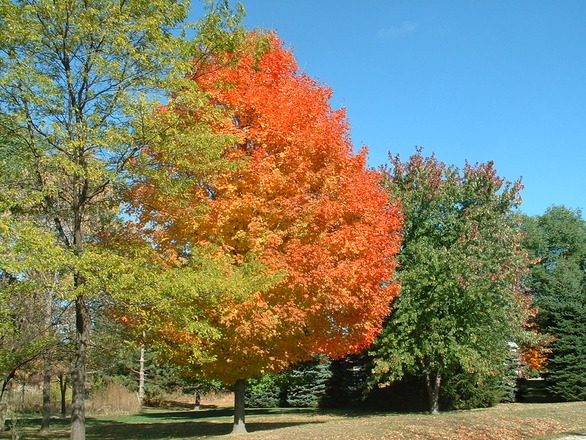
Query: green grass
{"points": [[504, 422]]}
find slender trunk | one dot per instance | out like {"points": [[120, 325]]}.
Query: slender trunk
{"points": [[63, 389], [141, 375], [3, 412], [4, 399], [22, 392], [6, 385], [239, 407], [78, 375], [47, 368], [46, 392], [433, 384], [82, 316], [197, 400]]}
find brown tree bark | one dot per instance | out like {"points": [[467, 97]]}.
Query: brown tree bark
{"points": [[63, 388], [47, 366], [78, 375], [433, 384], [197, 400], [47, 373], [239, 407], [141, 375], [5, 390]]}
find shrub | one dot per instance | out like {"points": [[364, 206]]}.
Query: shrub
{"points": [[463, 390]]}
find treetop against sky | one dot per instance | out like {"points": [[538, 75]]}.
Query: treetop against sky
{"points": [[472, 81]]}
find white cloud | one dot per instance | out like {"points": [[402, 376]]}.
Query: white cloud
{"points": [[406, 27]]}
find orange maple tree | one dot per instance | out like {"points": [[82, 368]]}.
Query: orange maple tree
{"points": [[300, 201]]}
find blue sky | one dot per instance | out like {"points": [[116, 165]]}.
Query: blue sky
{"points": [[469, 80]]}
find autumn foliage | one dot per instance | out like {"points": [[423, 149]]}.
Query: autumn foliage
{"points": [[296, 198]]}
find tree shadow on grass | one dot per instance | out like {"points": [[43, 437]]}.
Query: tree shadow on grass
{"points": [[186, 424], [111, 430], [224, 412], [188, 415], [174, 424]]}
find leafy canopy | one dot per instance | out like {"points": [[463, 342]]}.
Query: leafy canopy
{"points": [[461, 267], [297, 201]]}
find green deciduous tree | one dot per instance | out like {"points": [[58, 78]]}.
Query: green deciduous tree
{"points": [[77, 78], [557, 240], [461, 266], [28, 282], [29, 265]]}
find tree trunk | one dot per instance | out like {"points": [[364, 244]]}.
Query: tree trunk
{"points": [[47, 367], [141, 375], [4, 399], [78, 375], [197, 400], [22, 391], [239, 407], [46, 392], [433, 384], [63, 389], [3, 413]]}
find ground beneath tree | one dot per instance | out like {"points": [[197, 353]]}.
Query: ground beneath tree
{"points": [[504, 422], [549, 421]]}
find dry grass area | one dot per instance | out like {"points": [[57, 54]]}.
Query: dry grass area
{"points": [[221, 399], [112, 399], [213, 422], [503, 422]]}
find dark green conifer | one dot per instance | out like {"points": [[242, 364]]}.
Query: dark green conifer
{"points": [[558, 282]]}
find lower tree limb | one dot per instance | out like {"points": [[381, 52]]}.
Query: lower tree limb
{"points": [[239, 407]]}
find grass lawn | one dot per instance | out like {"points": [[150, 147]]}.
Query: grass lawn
{"points": [[503, 422]]}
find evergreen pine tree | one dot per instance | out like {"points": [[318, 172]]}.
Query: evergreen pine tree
{"points": [[348, 383], [558, 282], [307, 383]]}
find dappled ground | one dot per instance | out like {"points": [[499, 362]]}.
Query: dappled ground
{"points": [[504, 422]]}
